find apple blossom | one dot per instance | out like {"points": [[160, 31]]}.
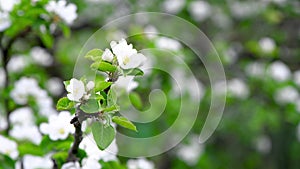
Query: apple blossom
{"points": [[267, 44], [4, 21], [55, 86], [71, 165], [126, 83], [279, 71], [58, 127], [8, 147], [16, 63], [90, 85], [65, 11], [41, 56], [34, 162], [76, 90], [107, 55], [26, 132], [90, 163], [127, 56]]}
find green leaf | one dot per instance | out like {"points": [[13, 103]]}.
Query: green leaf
{"points": [[94, 54], [47, 39], [111, 98], [102, 85], [29, 148], [91, 106], [103, 135], [66, 83], [104, 66], [6, 162], [111, 108], [64, 104], [133, 72], [136, 100], [124, 122], [65, 29]]}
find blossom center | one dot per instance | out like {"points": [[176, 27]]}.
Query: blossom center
{"points": [[126, 60], [61, 131]]}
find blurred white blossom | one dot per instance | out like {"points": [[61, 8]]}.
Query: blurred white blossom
{"points": [[267, 44], [286, 95], [200, 10], [150, 31], [16, 63], [58, 127], [55, 86], [26, 132], [90, 163], [109, 154], [3, 123], [90, 85], [255, 69], [173, 6], [8, 5], [71, 165], [5, 21], [41, 56], [238, 88], [191, 152], [126, 83], [8, 147], [2, 77], [127, 56], [140, 163], [34, 162], [279, 71], [297, 77], [65, 11], [263, 144], [244, 9], [18, 116], [167, 43]]}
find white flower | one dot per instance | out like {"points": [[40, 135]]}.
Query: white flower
{"points": [[109, 154], [90, 85], [140, 163], [107, 55], [16, 63], [34, 162], [279, 71], [24, 88], [173, 6], [8, 147], [6, 5], [168, 43], [41, 56], [71, 165], [127, 56], [55, 86], [263, 144], [238, 88], [286, 95], [244, 9], [4, 21], [297, 77], [58, 127], [17, 116], [191, 152], [2, 77], [26, 132], [66, 11], [127, 83], [267, 44], [200, 10], [255, 69], [90, 163], [76, 89]]}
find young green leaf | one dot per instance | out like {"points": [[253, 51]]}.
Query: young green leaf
{"points": [[64, 104], [103, 135], [94, 54], [66, 83], [91, 106], [133, 72], [102, 85], [122, 121], [136, 100]]}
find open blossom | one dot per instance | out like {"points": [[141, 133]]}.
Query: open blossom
{"points": [[279, 71], [66, 11], [126, 83], [58, 126], [267, 44], [16, 63], [8, 147], [55, 86], [140, 163], [7, 6], [26, 132], [127, 56], [90, 85], [17, 116], [76, 90], [286, 95], [107, 55], [200, 10]]}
